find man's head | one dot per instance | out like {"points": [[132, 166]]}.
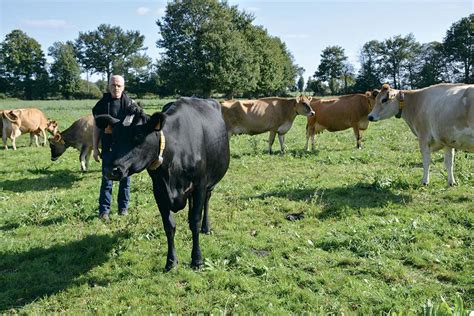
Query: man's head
{"points": [[116, 86]]}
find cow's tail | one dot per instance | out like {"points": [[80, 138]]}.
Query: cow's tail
{"points": [[11, 116]]}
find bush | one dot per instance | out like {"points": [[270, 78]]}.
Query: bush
{"points": [[87, 90]]}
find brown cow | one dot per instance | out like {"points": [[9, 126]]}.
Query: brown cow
{"points": [[79, 136], [274, 115], [20, 121], [339, 114]]}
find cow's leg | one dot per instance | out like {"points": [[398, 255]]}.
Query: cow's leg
{"points": [[84, 157], [194, 218], [206, 225], [426, 153], [310, 131], [448, 163], [306, 146], [88, 157], [357, 136], [4, 139], [271, 139], [169, 225], [281, 139], [14, 142], [44, 137], [32, 136]]}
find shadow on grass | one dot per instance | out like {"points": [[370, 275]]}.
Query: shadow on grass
{"points": [[48, 180], [337, 202], [39, 272], [47, 222]]}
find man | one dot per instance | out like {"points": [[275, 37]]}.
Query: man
{"points": [[118, 105]]}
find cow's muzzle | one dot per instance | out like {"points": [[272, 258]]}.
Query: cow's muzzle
{"points": [[371, 118], [311, 114], [115, 174], [54, 158]]}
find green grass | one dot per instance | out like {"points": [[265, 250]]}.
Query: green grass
{"points": [[372, 240]]}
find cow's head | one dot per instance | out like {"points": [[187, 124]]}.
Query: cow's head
{"points": [[387, 103], [52, 127], [134, 147], [57, 146], [303, 106]]}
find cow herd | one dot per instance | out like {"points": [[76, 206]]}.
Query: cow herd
{"points": [[185, 148], [441, 116]]}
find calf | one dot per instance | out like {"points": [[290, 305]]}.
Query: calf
{"points": [[185, 150], [79, 136], [339, 114], [274, 115], [441, 116], [32, 121]]}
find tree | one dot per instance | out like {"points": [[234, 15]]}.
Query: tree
{"points": [[210, 46], [459, 47], [331, 67], [368, 77], [300, 84], [206, 48], [107, 49], [65, 70], [23, 66], [348, 76], [396, 53], [432, 65]]}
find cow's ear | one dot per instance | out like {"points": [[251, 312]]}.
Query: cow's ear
{"points": [[156, 121], [103, 120]]}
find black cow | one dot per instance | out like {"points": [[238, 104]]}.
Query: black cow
{"points": [[185, 150]]}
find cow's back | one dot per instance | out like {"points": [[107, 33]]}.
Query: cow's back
{"points": [[197, 138], [256, 116], [32, 120], [341, 113], [443, 114], [80, 132]]}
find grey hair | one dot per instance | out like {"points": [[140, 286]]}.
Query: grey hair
{"points": [[118, 77]]}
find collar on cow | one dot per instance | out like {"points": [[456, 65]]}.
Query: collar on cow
{"points": [[401, 105], [157, 163]]}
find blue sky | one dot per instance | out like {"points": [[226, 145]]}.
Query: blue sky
{"points": [[307, 27]]}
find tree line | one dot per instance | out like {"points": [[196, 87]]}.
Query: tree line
{"points": [[400, 61], [209, 47]]}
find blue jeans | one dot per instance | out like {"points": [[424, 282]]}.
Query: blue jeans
{"points": [[105, 196]]}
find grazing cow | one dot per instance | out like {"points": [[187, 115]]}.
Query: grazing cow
{"points": [[79, 136], [32, 121], [185, 150], [339, 114], [441, 116], [274, 115]]}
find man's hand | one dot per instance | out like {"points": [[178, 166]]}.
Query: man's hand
{"points": [[96, 155]]}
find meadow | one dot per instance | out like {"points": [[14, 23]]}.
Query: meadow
{"points": [[337, 230]]}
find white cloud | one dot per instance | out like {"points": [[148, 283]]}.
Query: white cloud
{"points": [[51, 23], [143, 10]]}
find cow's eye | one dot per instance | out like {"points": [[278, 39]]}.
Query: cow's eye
{"points": [[384, 100]]}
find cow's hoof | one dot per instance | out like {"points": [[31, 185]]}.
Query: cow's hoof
{"points": [[196, 265], [171, 265], [205, 230]]}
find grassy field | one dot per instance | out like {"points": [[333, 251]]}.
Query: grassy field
{"points": [[371, 240]]}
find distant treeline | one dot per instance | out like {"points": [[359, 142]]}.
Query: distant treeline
{"points": [[209, 47]]}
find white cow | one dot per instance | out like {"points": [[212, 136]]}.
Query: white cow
{"points": [[441, 116]]}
